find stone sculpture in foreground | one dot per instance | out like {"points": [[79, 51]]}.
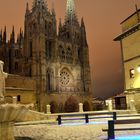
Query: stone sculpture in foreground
{"points": [[9, 113]]}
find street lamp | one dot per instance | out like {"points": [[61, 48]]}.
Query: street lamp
{"points": [[132, 72], [138, 69]]}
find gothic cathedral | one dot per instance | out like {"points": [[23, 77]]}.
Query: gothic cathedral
{"points": [[58, 61]]}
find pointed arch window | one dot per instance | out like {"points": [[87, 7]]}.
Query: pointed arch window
{"points": [[69, 55], [49, 28], [30, 71], [16, 53], [62, 53], [30, 49], [50, 80], [16, 66], [48, 49], [46, 27], [79, 53]]}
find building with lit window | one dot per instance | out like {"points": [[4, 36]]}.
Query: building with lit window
{"points": [[130, 47]]}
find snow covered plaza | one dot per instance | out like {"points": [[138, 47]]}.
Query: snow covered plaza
{"points": [[73, 131]]}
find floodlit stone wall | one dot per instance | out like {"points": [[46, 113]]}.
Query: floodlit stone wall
{"points": [[130, 43], [17, 81], [22, 87], [130, 22]]}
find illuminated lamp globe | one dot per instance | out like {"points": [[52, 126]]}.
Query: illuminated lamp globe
{"points": [[138, 69], [133, 71]]}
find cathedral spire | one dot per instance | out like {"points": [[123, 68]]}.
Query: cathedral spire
{"points": [[4, 36], [13, 31], [82, 22], [13, 37], [1, 31], [39, 3], [60, 23], [83, 33], [27, 9], [20, 38], [1, 37], [21, 32], [52, 10], [59, 26], [71, 16]]}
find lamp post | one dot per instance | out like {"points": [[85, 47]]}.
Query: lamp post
{"points": [[138, 69]]}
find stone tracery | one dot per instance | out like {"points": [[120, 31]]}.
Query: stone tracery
{"points": [[64, 78]]}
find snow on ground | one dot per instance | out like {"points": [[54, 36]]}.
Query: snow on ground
{"points": [[72, 131], [48, 132]]}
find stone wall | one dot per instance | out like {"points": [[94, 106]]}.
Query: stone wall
{"points": [[17, 81], [21, 87], [130, 22], [60, 99]]}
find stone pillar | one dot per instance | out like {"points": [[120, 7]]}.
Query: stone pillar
{"points": [[48, 109], [109, 105], [15, 100], [9, 114], [1, 80], [132, 105], [80, 107], [6, 131], [3, 75], [35, 107]]}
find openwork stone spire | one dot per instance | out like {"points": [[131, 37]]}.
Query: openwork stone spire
{"points": [[70, 12], [40, 3]]}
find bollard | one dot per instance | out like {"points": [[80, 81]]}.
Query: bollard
{"points": [[80, 107], [111, 134], [86, 118], [114, 116], [48, 109], [14, 99], [59, 120]]}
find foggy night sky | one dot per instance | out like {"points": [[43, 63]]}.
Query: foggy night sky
{"points": [[102, 19]]}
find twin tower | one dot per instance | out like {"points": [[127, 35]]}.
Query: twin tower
{"points": [[58, 61]]}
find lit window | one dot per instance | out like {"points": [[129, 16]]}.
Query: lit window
{"points": [[132, 73]]}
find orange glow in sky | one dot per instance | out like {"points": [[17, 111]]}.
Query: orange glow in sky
{"points": [[102, 18]]}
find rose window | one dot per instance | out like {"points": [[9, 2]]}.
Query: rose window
{"points": [[64, 78]]}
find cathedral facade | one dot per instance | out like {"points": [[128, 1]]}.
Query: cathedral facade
{"points": [[58, 61]]}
